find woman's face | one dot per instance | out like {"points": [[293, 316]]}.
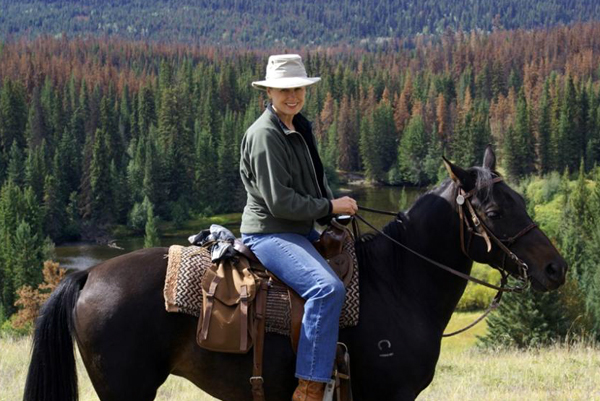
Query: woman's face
{"points": [[287, 102]]}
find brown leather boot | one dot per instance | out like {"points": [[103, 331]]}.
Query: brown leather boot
{"points": [[309, 391]]}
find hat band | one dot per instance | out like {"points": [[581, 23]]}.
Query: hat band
{"points": [[286, 73]]}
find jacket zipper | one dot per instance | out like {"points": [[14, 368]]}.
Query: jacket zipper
{"points": [[311, 163]]}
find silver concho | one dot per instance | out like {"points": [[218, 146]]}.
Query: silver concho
{"points": [[460, 200]]}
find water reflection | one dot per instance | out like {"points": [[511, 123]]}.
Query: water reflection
{"points": [[81, 255]]}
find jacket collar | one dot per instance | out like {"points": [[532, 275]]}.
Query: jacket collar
{"points": [[300, 122]]}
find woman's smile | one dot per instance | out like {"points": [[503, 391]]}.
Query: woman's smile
{"points": [[287, 102]]}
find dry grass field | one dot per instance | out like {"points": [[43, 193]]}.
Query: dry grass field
{"points": [[464, 373]]}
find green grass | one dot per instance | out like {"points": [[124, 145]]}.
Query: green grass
{"points": [[14, 360], [464, 372]]}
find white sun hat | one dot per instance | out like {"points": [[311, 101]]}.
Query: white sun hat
{"points": [[285, 71]]}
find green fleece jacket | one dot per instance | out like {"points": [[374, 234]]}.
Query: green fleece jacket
{"points": [[280, 178]]}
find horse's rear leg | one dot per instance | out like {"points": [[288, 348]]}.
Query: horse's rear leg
{"points": [[135, 380], [124, 333]]}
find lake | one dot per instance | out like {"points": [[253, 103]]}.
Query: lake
{"points": [[81, 255]]}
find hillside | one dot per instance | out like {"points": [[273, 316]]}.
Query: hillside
{"points": [[292, 23]]}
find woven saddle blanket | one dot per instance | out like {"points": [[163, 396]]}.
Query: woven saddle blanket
{"points": [[183, 289]]}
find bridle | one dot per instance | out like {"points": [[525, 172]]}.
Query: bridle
{"points": [[475, 226], [472, 223]]}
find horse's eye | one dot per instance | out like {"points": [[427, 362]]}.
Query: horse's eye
{"points": [[493, 214]]}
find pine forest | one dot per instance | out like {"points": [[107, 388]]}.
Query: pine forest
{"points": [[102, 132]]}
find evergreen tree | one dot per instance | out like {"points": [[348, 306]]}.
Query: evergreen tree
{"points": [[498, 82], [368, 151], [228, 182], [471, 134], [385, 135], [138, 216], [154, 177], [432, 165], [124, 119], [483, 88], [55, 210], [100, 181], [151, 239], [77, 127], [72, 230], [329, 148], [66, 166], [573, 231], [206, 159], [591, 274], [570, 141], [16, 171], [544, 131], [177, 144], [146, 110], [22, 247], [348, 137], [36, 168], [13, 116], [109, 125], [523, 151], [527, 320], [37, 126], [120, 194], [413, 151], [510, 160], [135, 168]]}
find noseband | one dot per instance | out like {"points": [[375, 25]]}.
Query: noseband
{"points": [[475, 226]]}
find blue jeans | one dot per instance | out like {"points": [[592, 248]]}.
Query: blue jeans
{"points": [[296, 262]]}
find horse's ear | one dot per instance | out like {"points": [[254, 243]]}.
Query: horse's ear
{"points": [[489, 158], [456, 173]]}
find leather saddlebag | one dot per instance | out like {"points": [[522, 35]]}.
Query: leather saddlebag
{"points": [[228, 291]]}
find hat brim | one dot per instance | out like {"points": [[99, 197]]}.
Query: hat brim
{"points": [[285, 83]]}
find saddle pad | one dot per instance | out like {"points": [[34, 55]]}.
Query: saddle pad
{"points": [[183, 290]]}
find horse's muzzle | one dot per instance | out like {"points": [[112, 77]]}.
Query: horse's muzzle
{"points": [[556, 273]]}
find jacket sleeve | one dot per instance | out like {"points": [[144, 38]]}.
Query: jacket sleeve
{"points": [[267, 159]]}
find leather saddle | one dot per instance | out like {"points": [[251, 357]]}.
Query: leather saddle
{"points": [[330, 245]]}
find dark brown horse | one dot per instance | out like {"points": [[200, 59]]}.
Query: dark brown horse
{"points": [[130, 344]]}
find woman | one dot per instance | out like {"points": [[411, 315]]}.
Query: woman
{"points": [[287, 191]]}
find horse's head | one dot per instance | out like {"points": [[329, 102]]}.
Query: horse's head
{"points": [[497, 230]]}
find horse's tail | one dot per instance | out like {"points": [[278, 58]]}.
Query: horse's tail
{"points": [[52, 373]]}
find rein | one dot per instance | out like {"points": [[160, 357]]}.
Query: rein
{"points": [[480, 229]]}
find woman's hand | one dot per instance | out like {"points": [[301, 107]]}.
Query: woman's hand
{"points": [[344, 205]]}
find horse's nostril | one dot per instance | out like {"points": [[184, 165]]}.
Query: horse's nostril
{"points": [[554, 272]]}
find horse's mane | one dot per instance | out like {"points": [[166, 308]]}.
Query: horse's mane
{"points": [[372, 247]]}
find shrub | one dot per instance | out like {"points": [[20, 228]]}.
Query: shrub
{"points": [[526, 320], [478, 297], [138, 215], [29, 300]]}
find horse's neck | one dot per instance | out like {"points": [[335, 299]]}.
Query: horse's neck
{"points": [[437, 237], [433, 231]]}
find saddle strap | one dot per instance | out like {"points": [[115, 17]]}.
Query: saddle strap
{"points": [[208, 310], [244, 250], [258, 392], [244, 317]]}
